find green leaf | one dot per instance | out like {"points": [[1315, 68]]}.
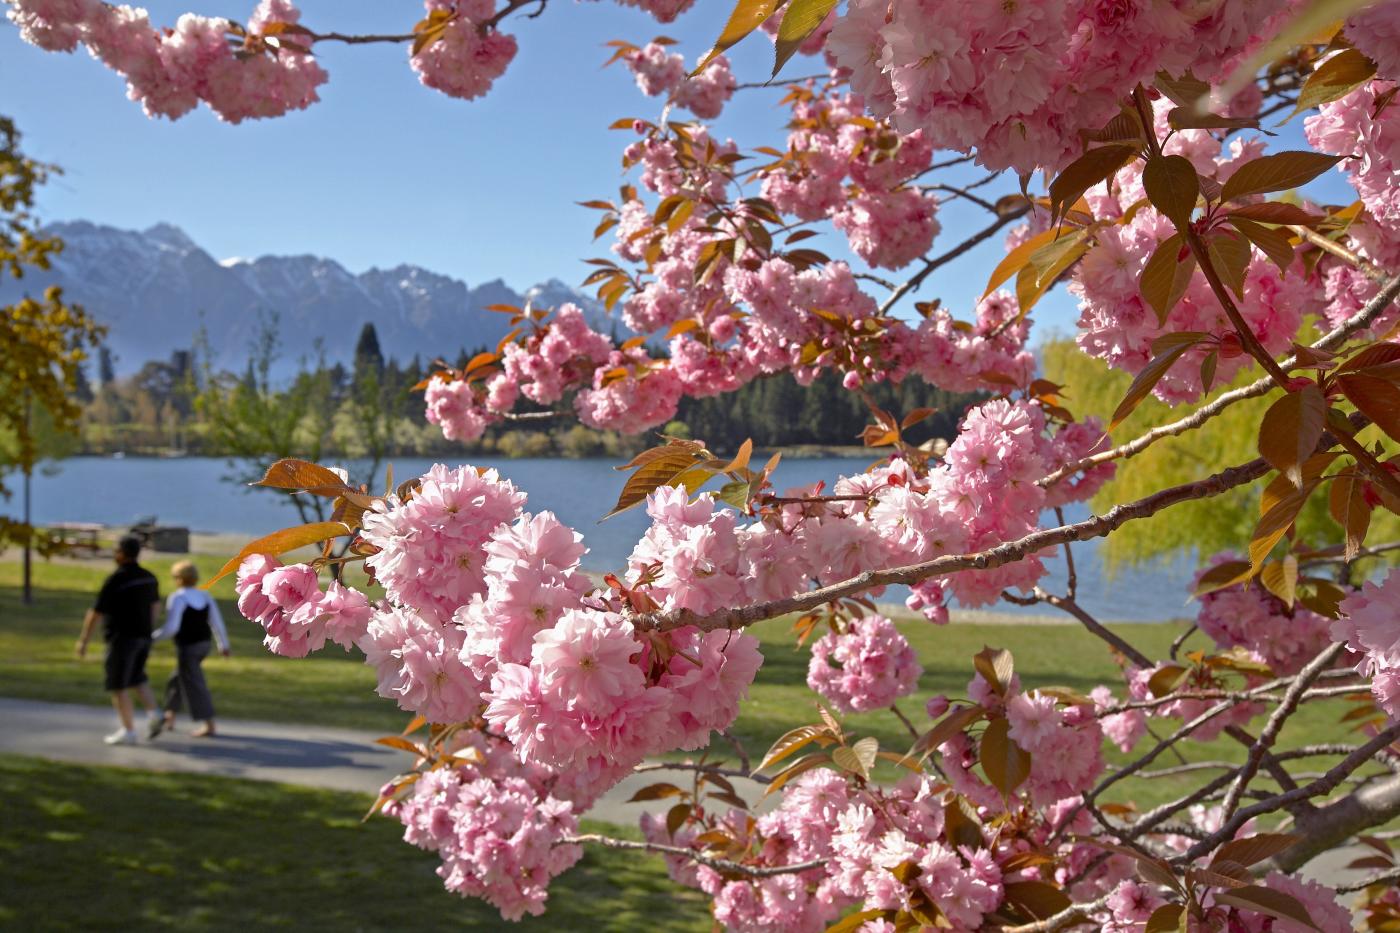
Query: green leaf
{"points": [[996, 667], [790, 742], [1290, 430], [280, 542], [1277, 172], [1035, 900], [847, 760], [1165, 919], [1269, 902], [799, 22], [1276, 212], [1335, 78], [299, 474], [1150, 375], [1172, 187], [1229, 256], [852, 922], [1276, 522], [1084, 172], [1377, 399], [671, 465], [957, 720], [1045, 265], [656, 792], [1272, 242], [1166, 275], [1004, 762], [746, 16], [1254, 848], [1016, 260]]}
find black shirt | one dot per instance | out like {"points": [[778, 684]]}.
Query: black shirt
{"points": [[125, 602]]}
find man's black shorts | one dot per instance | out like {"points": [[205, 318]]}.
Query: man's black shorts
{"points": [[126, 662]]}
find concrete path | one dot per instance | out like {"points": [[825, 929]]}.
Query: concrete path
{"points": [[311, 756]]}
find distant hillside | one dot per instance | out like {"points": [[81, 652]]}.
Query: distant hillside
{"points": [[154, 288]]}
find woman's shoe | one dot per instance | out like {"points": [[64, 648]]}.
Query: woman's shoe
{"points": [[154, 727], [205, 731]]}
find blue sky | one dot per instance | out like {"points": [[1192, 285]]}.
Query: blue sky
{"points": [[385, 171]]}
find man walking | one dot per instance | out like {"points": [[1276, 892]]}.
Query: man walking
{"points": [[127, 605]]}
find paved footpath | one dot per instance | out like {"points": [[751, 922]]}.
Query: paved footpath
{"points": [[314, 756], [311, 756]]}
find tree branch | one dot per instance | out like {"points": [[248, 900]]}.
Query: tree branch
{"points": [[718, 864], [1334, 338], [1095, 527]]}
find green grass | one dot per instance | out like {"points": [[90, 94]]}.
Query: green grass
{"points": [[107, 848], [335, 689]]}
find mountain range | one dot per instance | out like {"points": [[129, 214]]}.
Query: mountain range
{"points": [[155, 288]]}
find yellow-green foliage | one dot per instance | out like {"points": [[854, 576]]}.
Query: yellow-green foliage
{"points": [[1204, 526]]}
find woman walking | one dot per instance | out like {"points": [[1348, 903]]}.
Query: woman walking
{"points": [[192, 619]]}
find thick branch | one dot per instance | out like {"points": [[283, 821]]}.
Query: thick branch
{"points": [[1095, 527], [1354, 815], [1329, 826]]}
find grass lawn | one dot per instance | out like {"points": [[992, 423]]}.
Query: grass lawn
{"points": [[108, 848], [335, 689]]}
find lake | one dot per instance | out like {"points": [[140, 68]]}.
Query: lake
{"points": [[192, 492]]}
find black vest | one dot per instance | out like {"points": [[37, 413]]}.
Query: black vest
{"points": [[194, 626]]}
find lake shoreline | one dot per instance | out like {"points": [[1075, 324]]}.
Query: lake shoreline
{"points": [[222, 544]]}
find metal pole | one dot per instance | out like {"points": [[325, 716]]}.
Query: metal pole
{"points": [[27, 594]]}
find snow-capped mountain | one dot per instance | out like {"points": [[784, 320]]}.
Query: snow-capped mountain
{"points": [[155, 288]]}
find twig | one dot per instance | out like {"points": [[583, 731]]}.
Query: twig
{"points": [[894, 708], [1352, 258], [1181, 640], [718, 864], [1385, 877], [739, 750], [773, 82], [742, 772], [954, 253], [1094, 625], [1291, 698]]}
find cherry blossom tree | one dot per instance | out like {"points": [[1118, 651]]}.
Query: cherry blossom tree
{"points": [[1125, 158]]}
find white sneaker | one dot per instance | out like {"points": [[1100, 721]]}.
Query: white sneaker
{"points": [[121, 737]]}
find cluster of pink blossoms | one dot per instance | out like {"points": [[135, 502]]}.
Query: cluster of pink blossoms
{"points": [[498, 825], [661, 72], [170, 71], [888, 221], [1370, 627], [467, 59], [1117, 325], [867, 666], [1254, 619], [1358, 125], [295, 614], [1016, 82]]}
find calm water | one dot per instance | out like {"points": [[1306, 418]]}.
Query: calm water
{"points": [[191, 492]]}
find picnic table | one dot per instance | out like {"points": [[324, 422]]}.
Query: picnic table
{"points": [[75, 536]]}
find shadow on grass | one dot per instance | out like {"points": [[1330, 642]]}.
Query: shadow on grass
{"points": [[107, 848]]}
